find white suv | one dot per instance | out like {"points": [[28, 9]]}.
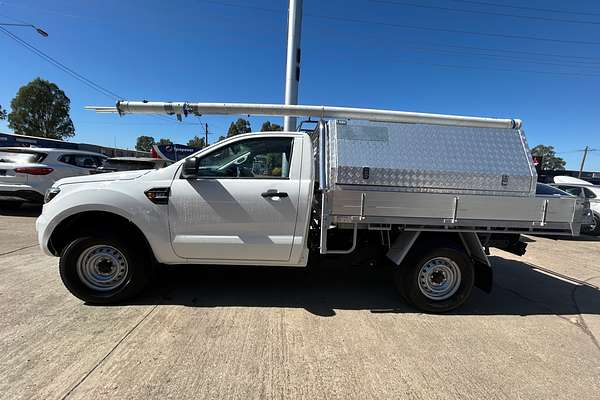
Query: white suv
{"points": [[26, 173]]}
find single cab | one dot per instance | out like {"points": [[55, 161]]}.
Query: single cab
{"points": [[279, 198]]}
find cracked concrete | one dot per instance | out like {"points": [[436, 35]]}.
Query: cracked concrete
{"points": [[210, 332]]}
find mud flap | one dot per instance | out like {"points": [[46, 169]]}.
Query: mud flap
{"points": [[484, 276]]}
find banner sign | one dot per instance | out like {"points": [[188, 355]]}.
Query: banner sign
{"points": [[172, 152]]}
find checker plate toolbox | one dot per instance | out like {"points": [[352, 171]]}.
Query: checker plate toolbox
{"points": [[432, 177]]}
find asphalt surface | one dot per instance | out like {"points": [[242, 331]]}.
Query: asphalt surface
{"points": [[338, 333]]}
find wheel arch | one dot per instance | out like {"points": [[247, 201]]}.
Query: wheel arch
{"points": [[88, 221], [410, 241]]}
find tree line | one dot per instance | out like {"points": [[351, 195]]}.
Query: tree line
{"points": [[241, 125]]}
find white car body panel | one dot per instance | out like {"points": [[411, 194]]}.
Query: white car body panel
{"points": [[569, 181], [207, 221]]}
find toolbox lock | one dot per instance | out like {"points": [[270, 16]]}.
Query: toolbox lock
{"points": [[365, 172]]}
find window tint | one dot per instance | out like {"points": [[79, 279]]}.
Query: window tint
{"points": [[589, 194], [81, 160], [548, 190], [9, 156], [250, 158], [574, 190]]}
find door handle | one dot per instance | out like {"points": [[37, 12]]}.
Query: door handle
{"points": [[273, 193]]}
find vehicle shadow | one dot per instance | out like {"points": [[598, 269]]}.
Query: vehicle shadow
{"points": [[26, 210], [580, 238], [518, 290]]}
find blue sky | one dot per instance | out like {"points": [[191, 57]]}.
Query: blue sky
{"points": [[357, 53]]}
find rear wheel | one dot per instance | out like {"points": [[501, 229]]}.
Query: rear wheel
{"points": [[436, 280], [103, 270]]}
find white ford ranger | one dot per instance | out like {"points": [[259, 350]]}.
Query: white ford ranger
{"points": [[419, 195]]}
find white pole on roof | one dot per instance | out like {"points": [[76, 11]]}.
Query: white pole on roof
{"points": [[292, 68], [367, 114]]}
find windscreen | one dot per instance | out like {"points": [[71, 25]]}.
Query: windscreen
{"points": [[549, 190], [18, 157]]}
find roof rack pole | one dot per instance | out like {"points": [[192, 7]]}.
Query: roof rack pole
{"points": [[323, 112]]}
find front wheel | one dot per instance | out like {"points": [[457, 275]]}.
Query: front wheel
{"points": [[103, 270], [436, 280], [10, 205], [594, 229]]}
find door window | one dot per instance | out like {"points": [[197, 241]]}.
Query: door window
{"points": [[81, 160], [250, 158], [589, 194], [574, 190]]}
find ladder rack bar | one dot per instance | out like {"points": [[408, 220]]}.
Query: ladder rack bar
{"points": [[180, 108]]}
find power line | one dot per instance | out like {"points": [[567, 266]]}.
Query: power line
{"points": [[88, 82], [592, 60], [481, 67], [499, 14], [486, 3], [498, 57], [450, 50], [458, 31], [415, 27], [61, 66]]}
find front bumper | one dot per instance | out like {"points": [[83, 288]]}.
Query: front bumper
{"points": [[19, 192], [43, 233]]}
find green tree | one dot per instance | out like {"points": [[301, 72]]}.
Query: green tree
{"points": [[41, 109], [550, 161], [267, 126], [221, 138], [196, 142], [164, 141], [144, 143], [2, 113], [238, 127]]}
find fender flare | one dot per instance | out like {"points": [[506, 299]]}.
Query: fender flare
{"points": [[470, 242]]}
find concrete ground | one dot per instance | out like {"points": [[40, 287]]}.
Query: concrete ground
{"points": [[340, 333]]}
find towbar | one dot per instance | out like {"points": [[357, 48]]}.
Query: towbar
{"points": [[181, 108]]}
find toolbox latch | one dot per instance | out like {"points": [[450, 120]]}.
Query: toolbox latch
{"points": [[365, 172]]}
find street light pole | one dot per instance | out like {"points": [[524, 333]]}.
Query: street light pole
{"points": [[40, 31], [205, 134], [292, 69]]}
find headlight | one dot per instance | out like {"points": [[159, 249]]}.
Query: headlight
{"points": [[51, 193]]}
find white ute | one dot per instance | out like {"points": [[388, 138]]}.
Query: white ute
{"points": [[418, 191]]}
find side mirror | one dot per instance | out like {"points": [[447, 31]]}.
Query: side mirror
{"points": [[190, 168]]}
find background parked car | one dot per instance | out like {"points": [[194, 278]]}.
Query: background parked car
{"points": [[579, 187], [26, 173], [512, 242], [115, 164]]}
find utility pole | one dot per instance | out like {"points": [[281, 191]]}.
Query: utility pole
{"points": [[585, 151], [205, 134], [292, 69]]}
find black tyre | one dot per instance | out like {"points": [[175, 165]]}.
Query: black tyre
{"points": [[436, 279], [103, 269], [10, 205], [595, 229]]}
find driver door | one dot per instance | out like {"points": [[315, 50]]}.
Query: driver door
{"points": [[242, 205]]}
